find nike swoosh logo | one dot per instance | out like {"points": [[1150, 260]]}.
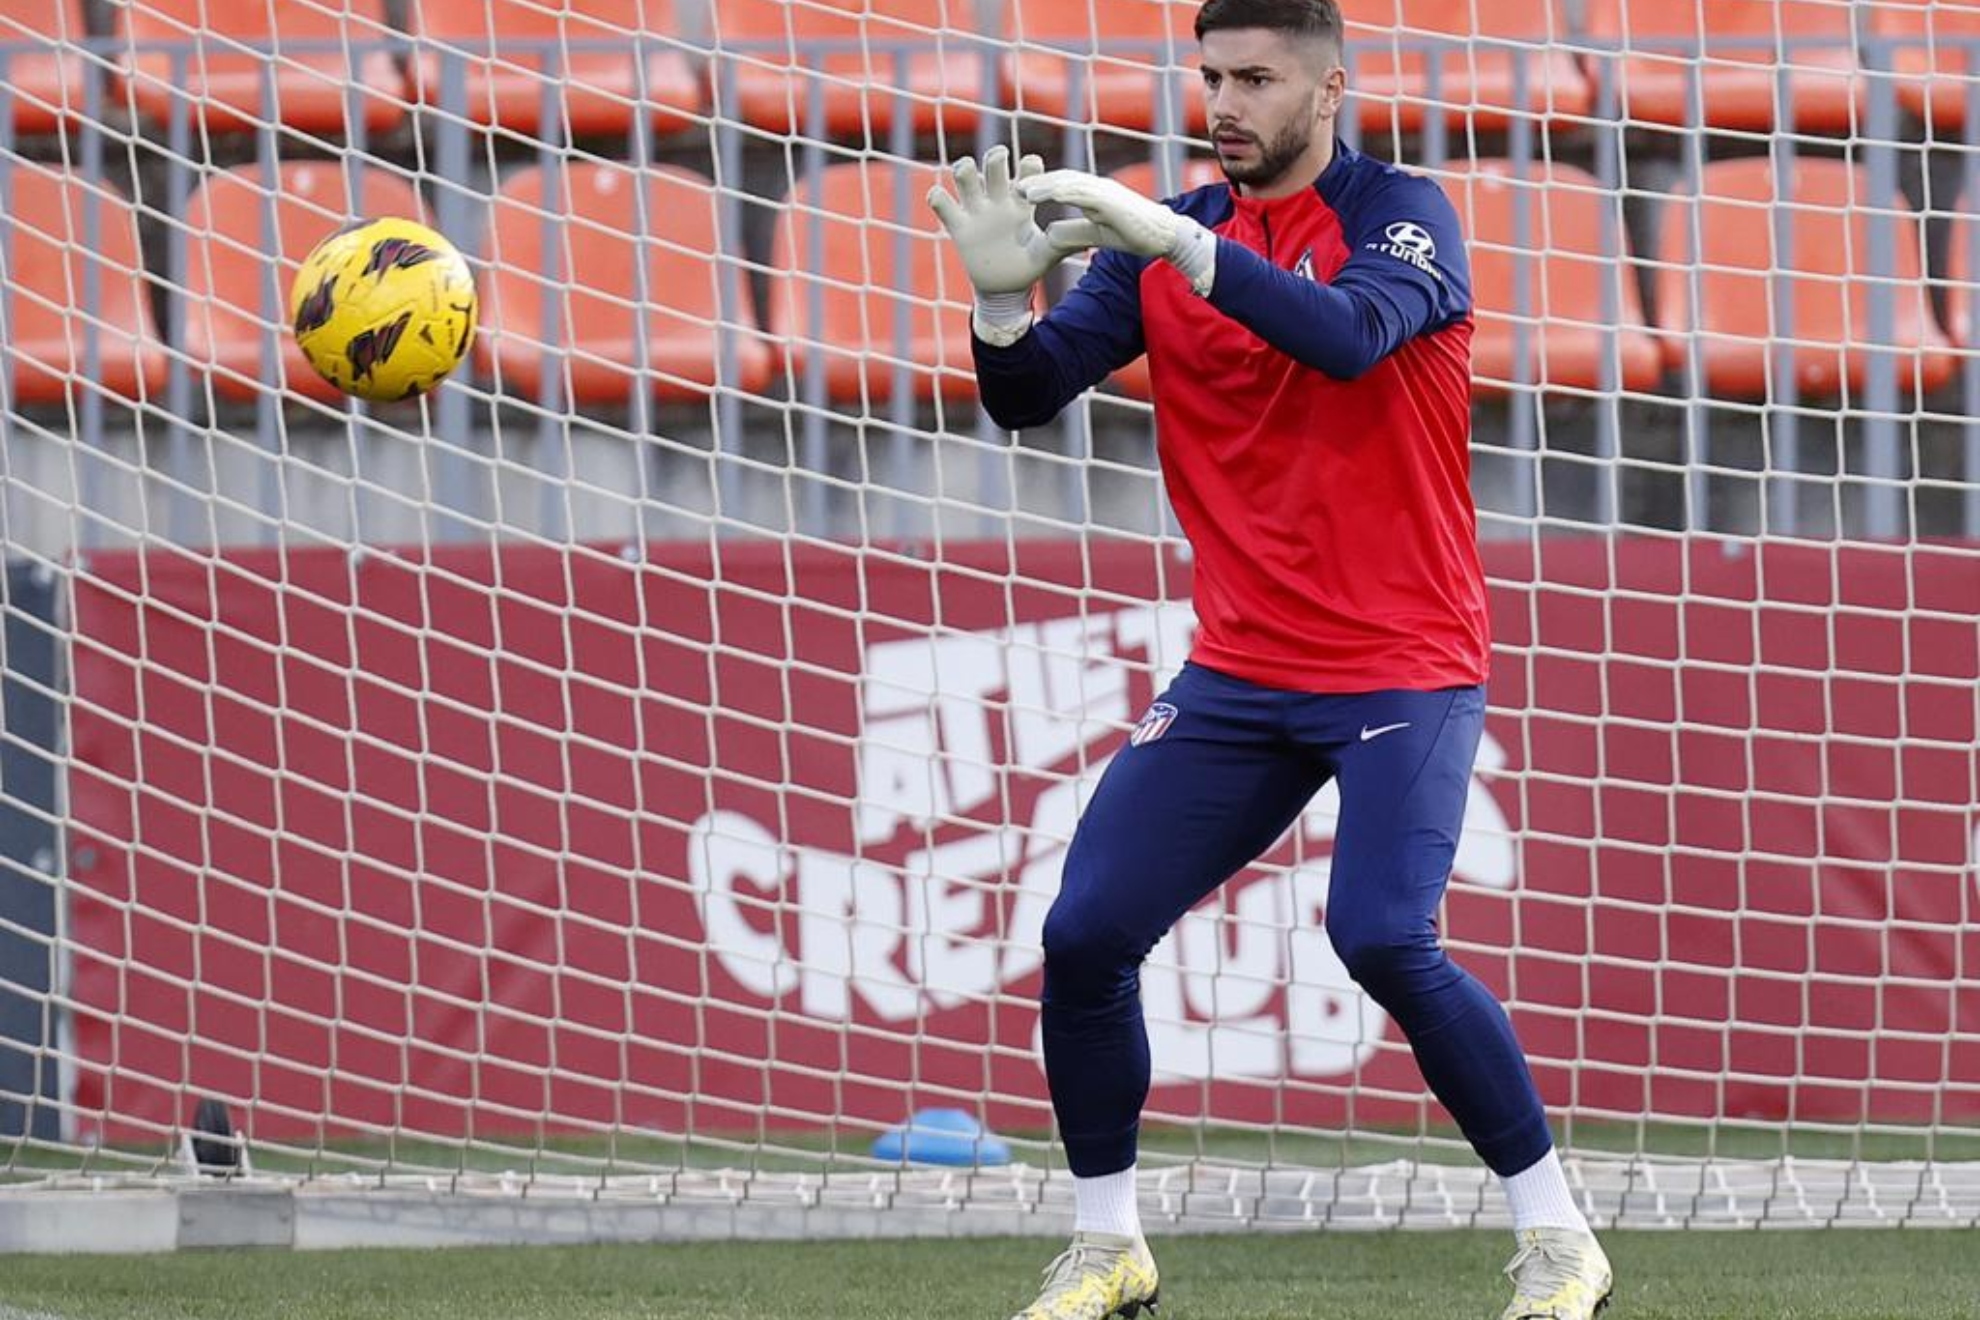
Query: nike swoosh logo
{"points": [[1367, 733]]}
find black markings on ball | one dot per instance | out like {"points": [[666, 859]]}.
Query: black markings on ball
{"points": [[315, 309], [374, 347], [389, 254]]}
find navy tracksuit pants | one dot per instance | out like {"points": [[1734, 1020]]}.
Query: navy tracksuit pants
{"points": [[1212, 778]]}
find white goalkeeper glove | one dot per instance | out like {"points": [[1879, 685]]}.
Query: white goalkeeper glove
{"points": [[1115, 216], [1002, 247]]}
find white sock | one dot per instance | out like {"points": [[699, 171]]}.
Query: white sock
{"points": [[1107, 1204], [1541, 1199]]}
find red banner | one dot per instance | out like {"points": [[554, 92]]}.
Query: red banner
{"points": [[486, 841]]}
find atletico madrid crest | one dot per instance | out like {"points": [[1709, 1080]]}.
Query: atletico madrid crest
{"points": [[1153, 724]]}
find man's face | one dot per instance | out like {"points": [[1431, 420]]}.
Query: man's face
{"points": [[1268, 95]]}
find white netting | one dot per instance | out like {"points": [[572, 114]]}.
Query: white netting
{"points": [[642, 765]]}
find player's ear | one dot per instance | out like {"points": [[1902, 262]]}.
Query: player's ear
{"points": [[1324, 62], [1333, 91]]}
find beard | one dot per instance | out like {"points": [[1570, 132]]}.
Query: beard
{"points": [[1274, 157]]}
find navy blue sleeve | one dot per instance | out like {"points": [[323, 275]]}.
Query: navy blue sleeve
{"points": [[1094, 331], [1407, 274]]}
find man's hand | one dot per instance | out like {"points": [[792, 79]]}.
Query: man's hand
{"points": [[1115, 216], [1002, 247]]}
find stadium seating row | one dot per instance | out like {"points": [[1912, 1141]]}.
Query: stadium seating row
{"points": [[1478, 62], [575, 262]]}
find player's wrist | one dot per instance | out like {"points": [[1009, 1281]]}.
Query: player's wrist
{"points": [[1002, 319], [1194, 252]]}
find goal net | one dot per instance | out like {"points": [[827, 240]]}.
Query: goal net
{"points": [[631, 779]]}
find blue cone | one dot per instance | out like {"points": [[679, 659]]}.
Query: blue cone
{"points": [[941, 1136]]}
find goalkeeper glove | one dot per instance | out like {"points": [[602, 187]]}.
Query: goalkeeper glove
{"points": [[1115, 216], [1002, 247]]}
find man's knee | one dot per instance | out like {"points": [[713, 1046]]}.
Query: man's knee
{"points": [[1385, 959], [1087, 959]]}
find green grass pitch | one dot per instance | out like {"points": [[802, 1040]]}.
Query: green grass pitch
{"points": [[1802, 1275]]}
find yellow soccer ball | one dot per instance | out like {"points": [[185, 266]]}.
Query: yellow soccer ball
{"points": [[384, 309]]}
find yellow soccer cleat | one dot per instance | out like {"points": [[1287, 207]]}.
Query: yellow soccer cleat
{"points": [[1099, 1275], [1558, 1274]]}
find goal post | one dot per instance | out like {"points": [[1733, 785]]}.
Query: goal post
{"points": [[606, 797]]}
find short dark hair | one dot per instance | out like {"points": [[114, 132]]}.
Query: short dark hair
{"points": [[1301, 18]]}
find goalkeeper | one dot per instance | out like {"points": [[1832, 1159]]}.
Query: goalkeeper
{"points": [[1308, 332]]}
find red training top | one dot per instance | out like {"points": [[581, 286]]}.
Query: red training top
{"points": [[1313, 418]]}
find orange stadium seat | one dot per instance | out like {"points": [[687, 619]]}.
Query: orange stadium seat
{"points": [[1475, 82], [506, 44], [586, 242], [1102, 61], [1140, 176], [1561, 257], [838, 243], [46, 81], [863, 59], [1745, 44], [1828, 272], [64, 233], [1937, 67], [227, 50], [228, 297]]}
